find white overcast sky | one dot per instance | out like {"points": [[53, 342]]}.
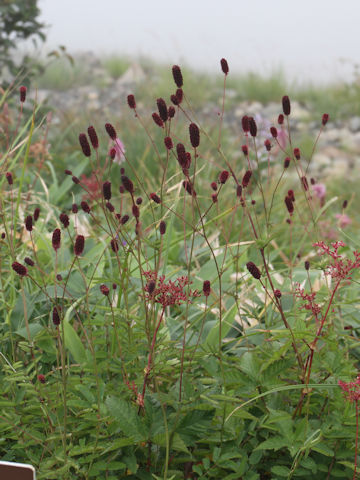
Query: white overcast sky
{"points": [[309, 38]]}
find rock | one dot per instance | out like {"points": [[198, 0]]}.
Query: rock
{"points": [[134, 74], [354, 124]]}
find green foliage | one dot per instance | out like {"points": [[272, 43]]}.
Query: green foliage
{"points": [[146, 376], [18, 21]]}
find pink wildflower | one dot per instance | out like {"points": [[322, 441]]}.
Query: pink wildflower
{"points": [[282, 138], [170, 293], [120, 151], [351, 389], [309, 299], [339, 269], [319, 190], [343, 220]]}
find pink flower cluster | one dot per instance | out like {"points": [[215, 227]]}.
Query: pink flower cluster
{"points": [[339, 269], [170, 293], [309, 299], [351, 389]]}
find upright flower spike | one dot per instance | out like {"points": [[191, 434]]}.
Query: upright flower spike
{"points": [[131, 101], [297, 153], [9, 178], [127, 183], [104, 290], [157, 119], [56, 316], [168, 143], [325, 119], [177, 76], [179, 95], [223, 177], [114, 245], [29, 261], [267, 144], [56, 239], [162, 227], [171, 112], [155, 198], [246, 178], [253, 269], [224, 66], [252, 127], [79, 245], [85, 206], [163, 112], [84, 145], [289, 205], [273, 131], [206, 288], [107, 190], [194, 135], [110, 131], [93, 137], [29, 223], [286, 105], [22, 91], [19, 269], [189, 188], [245, 124], [64, 219]]}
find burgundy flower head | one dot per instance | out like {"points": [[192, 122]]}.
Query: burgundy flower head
{"points": [[19, 269], [93, 137], [29, 223], [177, 75], [22, 91], [223, 177], [114, 245], [85, 146], [127, 183], [286, 105], [273, 131], [64, 219], [206, 288], [162, 227], [252, 127], [104, 290], [107, 190], [325, 119], [155, 198], [9, 178], [79, 245], [56, 316], [246, 178], [157, 119], [110, 131], [168, 143], [194, 135], [245, 124], [56, 239], [131, 101], [163, 112], [224, 66], [253, 269]]}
